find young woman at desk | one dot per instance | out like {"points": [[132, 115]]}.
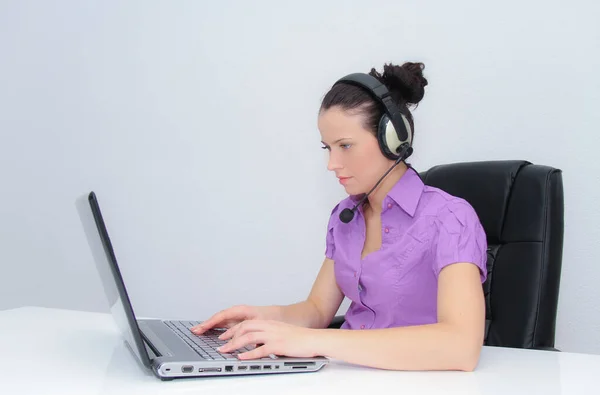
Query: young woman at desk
{"points": [[410, 257]]}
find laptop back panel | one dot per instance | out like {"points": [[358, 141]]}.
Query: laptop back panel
{"points": [[110, 275]]}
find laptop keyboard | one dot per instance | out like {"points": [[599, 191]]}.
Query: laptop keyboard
{"points": [[206, 344]]}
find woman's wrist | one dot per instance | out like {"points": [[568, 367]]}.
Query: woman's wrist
{"points": [[273, 313], [319, 341], [299, 314]]}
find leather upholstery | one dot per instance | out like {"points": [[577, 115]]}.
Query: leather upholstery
{"points": [[521, 207]]}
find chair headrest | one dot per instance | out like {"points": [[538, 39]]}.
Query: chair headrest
{"points": [[486, 185]]}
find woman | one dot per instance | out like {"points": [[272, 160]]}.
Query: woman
{"points": [[411, 259]]}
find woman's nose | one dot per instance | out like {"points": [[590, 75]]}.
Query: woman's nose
{"points": [[333, 164]]}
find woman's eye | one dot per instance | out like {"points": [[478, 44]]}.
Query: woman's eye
{"points": [[345, 146], [325, 147]]}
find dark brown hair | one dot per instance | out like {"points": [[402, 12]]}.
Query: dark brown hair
{"points": [[405, 83]]}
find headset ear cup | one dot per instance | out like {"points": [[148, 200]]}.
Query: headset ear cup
{"points": [[408, 129], [387, 137]]}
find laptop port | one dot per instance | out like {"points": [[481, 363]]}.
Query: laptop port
{"points": [[209, 370], [242, 367], [255, 367], [229, 368], [267, 367], [303, 364], [187, 369]]}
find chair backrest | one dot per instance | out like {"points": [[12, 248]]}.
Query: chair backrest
{"points": [[521, 207]]}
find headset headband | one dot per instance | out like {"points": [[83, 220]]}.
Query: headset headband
{"points": [[381, 93]]}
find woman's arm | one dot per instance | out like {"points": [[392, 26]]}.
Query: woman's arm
{"points": [[322, 303], [316, 311], [454, 343]]}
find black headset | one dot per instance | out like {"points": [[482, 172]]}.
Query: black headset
{"points": [[394, 133]]}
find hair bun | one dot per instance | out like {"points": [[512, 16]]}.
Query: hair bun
{"points": [[406, 83]]}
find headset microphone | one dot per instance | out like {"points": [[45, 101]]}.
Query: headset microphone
{"points": [[348, 214]]}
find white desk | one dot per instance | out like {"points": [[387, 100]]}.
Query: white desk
{"points": [[52, 351]]}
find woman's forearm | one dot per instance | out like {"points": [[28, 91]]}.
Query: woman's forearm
{"points": [[304, 314], [427, 347]]}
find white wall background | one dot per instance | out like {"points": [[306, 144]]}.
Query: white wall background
{"points": [[196, 121]]}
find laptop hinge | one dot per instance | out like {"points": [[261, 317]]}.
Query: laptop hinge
{"points": [[152, 351]]}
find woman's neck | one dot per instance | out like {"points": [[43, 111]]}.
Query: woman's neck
{"points": [[375, 199]]}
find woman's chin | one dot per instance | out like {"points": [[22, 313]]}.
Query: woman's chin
{"points": [[352, 191]]}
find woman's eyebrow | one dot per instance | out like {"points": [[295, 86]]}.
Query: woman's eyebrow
{"points": [[338, 140]]}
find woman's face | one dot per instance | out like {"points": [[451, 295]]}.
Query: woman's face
{"points": [[354, 153]]}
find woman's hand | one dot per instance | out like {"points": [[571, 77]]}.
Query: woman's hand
{"points": [[272, 337], [235, 315]]}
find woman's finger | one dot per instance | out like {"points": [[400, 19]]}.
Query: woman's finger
{"points": [[230, 332], [251, 326], [259, 352], [231, 314], [241, 341]]}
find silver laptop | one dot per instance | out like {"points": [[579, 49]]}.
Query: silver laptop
{"points": [[168, 347]]}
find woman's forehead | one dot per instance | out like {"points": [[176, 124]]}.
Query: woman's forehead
{"points": [[335, 123]]}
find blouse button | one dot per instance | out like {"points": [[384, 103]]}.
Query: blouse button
{"points": [[387, 230], [389, 205]]}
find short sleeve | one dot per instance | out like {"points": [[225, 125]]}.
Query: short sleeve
{"points": [[329, 241], [461, 238]]}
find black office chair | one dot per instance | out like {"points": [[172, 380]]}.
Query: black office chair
{"points": [[521, 208]]}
